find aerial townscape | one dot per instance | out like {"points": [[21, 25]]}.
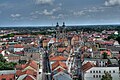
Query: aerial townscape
{"points": [[60, 53], [59, 39]]}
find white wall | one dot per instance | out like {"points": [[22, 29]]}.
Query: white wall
{"points": [[18, 49], [89, 76]]}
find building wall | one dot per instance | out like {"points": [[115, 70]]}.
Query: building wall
{"points": [[18, 49], [96, 73]]}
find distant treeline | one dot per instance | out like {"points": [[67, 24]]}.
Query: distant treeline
{"points": [[44, 30]]}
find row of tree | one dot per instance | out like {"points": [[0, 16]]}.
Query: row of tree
{"points": [[4, 65]]}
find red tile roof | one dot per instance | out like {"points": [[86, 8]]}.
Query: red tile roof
{"points": [[54, 39], [87, 66], [21, 52], [60, 40], [58, 63], [29, 72], [108, 52], [58, 58], [19, 72], [59, 70], [1, 51], [28, 78], [76, 38], [61, 49], [18, 46], [31, 63], [7, 76], [68, 48]]}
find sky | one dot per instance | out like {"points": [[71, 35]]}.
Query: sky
{"points": [[48, 12]]}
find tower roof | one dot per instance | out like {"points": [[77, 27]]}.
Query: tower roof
{"points": [[63, 24], [57, 24]]}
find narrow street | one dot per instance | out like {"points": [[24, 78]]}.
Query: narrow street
{"points": [[46, 67]]}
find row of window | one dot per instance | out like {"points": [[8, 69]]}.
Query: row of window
{"points": [[97, 76], [100, 71]]}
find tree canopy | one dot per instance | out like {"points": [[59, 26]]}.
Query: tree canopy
{"points": [[107, 76], [104, 55], [4, 65]]}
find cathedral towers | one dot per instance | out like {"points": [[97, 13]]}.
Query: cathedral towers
{"points": [[60, 31]]}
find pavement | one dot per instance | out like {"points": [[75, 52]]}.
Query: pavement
{"points": [[46, 73]]}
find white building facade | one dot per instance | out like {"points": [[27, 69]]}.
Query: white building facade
{"points": [[96, 73]]}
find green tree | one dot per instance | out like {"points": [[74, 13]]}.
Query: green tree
{"points": [[118, 39], [109, 62], [4, 65], [22, 61], [104, 55], [107, 76], [2, 59]]}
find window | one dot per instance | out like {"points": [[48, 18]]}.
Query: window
{"points": [[99, 76], [99, 71], [96, 71], [113, 71], [90, 71], [104, 71], [109, 71], [93, 76], [93, 71], [96, 76]]}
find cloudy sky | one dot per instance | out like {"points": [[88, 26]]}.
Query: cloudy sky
{"points": [[48, 12]]}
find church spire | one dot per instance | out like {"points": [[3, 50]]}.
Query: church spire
{"points": [[63, 24], [57, 24]]}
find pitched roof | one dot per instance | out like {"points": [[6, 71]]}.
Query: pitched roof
{"points": [[61, 49], [29, 72], [68, 48], [108, 52], [32, 63], [7, 76], [54, 39], [87, 66], [62, 76], [18, 46], [58, 63], [29, 77], [75, 38], [26, 77], [58, 58]]}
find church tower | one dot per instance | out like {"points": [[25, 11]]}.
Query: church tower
{"points": [[60, 31]]}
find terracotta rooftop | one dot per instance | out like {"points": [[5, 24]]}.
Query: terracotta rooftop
{"points": [[18, 46], [108, 52], [31, 63], [29, 78], [61, 49], [87, 66], [7, 76], [54, 39], [29, 72], [58, 63], [75, 38], [58, 58]]}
